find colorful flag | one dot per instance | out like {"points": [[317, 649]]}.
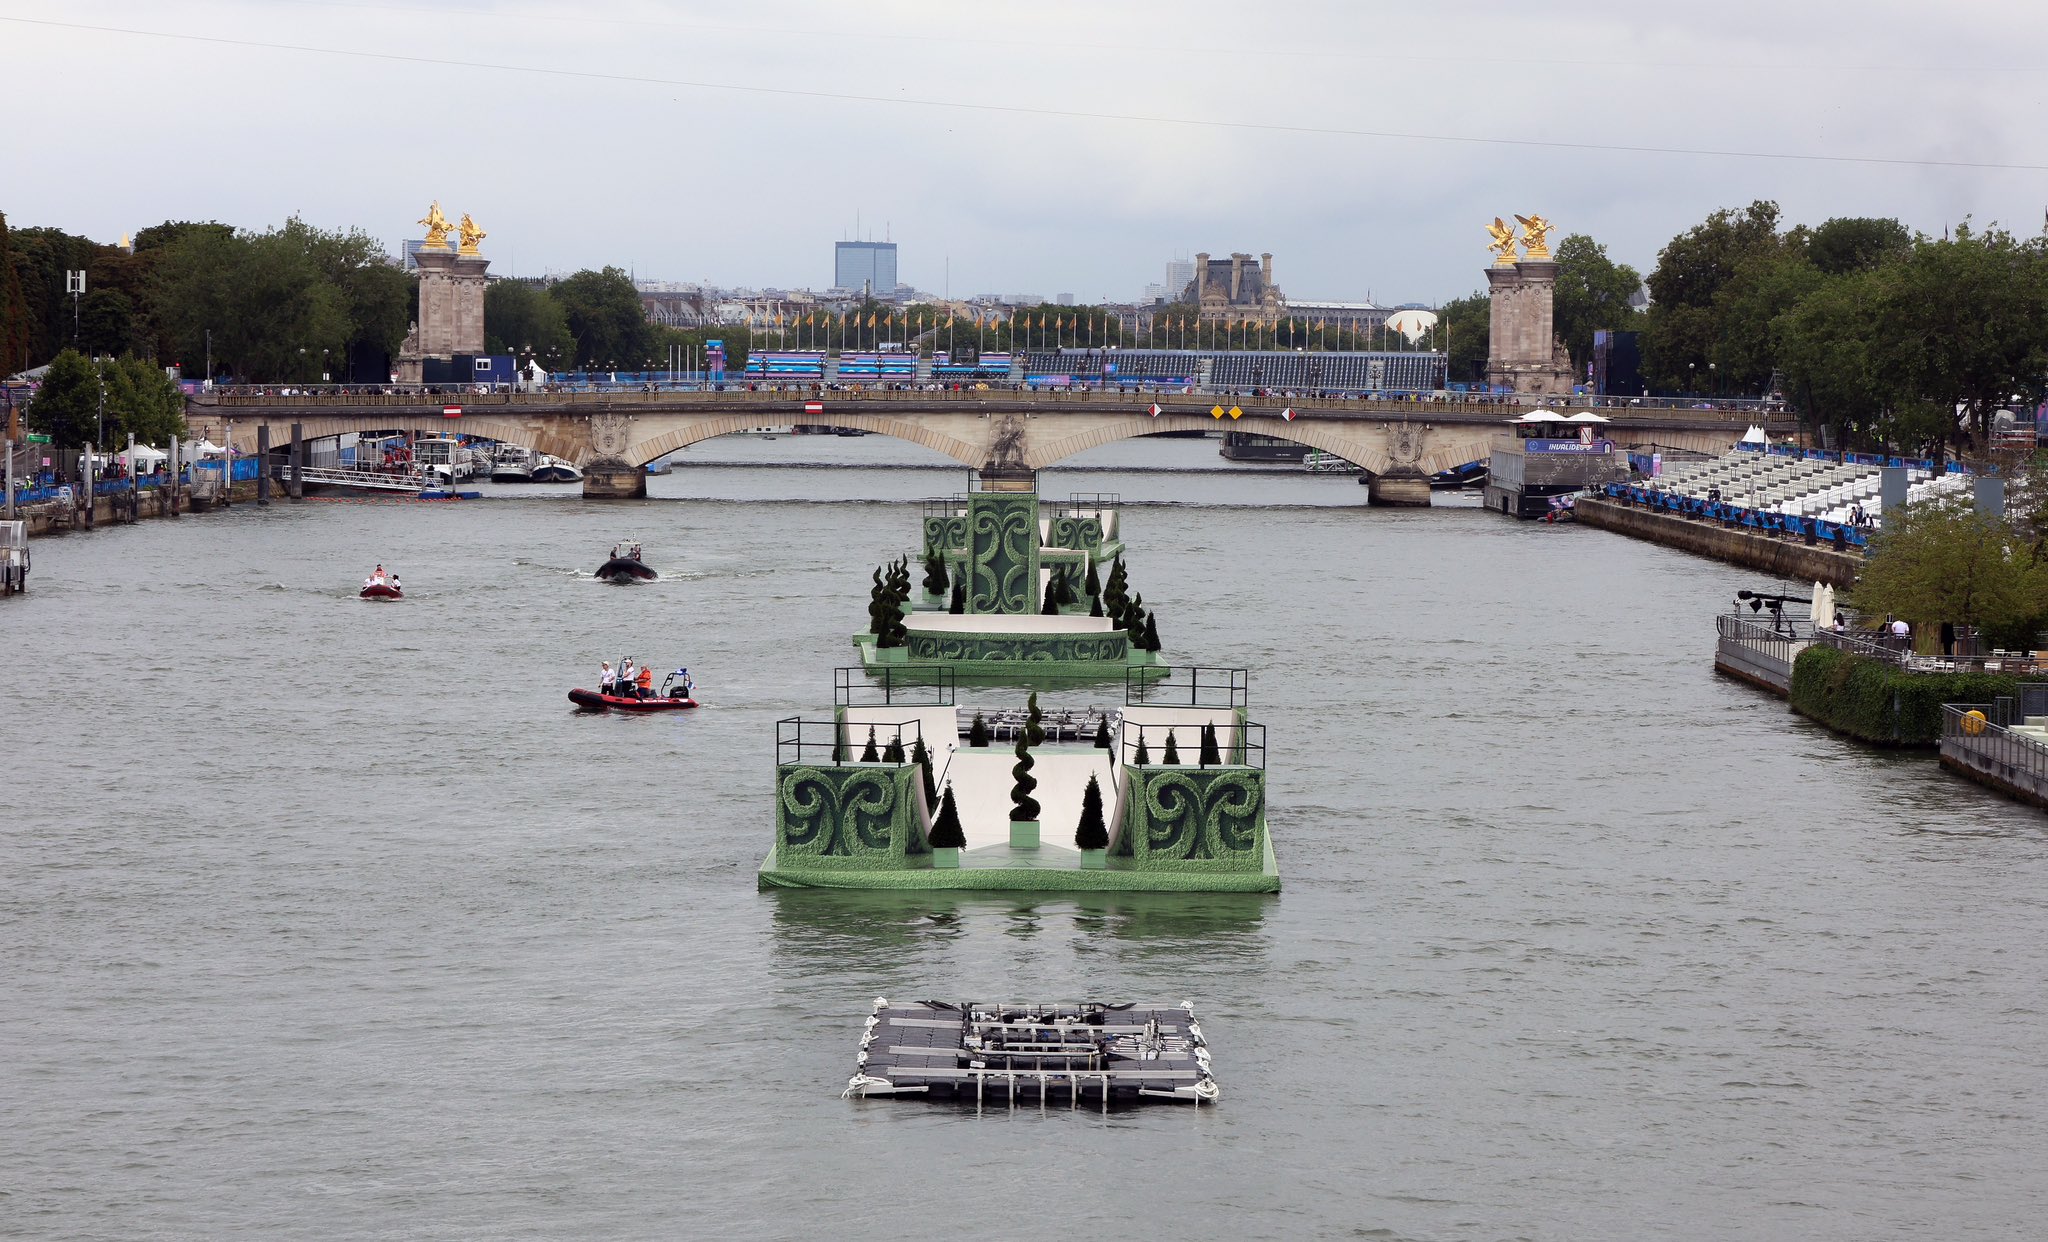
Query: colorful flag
{"points": [[1217, 412], [1236, 413], [1155, 409], [1288, 413]]}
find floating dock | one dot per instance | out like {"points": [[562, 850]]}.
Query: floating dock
{"points": [[1181, 784], [1012, 1053]]}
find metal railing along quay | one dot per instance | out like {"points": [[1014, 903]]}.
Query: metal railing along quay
{"points": [[1877, 645]]}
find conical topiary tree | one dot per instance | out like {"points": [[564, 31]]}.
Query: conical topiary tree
{"points": [[1091, 833], [934, 572], [838, 746], [946, 832], [1051, 606], [1115, 592], [1143, 758], [1095, 605], [1023, 807], [1151, 640], [1092, 584], [1102, 733], [870, 754], [1134, 617], [1211, 756], [923, 759], [958, 604], [1172, 755], [977, 733], [894, 752]]}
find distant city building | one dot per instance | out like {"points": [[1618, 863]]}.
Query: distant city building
{"points": [[1350, 316], [1066, 299], [865, 265], [1233, 289], [1179, 274], [1024, 299], [412, 249], [1154, 294]]}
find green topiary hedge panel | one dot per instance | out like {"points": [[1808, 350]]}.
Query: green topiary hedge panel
{"points": [[847, 817], [1200, 819], [1003, 574], [1876, 701]]}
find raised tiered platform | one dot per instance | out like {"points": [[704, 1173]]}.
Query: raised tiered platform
{"points": [[1005, 553], [850, 817], [1013, 1053]]}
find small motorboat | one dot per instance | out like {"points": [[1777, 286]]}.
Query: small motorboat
{"points": [[597, 701], [382, 590], [551, 469], [625, 565]]}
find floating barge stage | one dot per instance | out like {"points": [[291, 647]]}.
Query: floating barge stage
{"points": [[1128, 1053]]}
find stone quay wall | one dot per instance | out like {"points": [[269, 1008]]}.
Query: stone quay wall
{"points": [[1779, 557]]}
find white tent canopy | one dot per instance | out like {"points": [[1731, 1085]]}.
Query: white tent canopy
{"points": [[1588, 416], [1755, 435], [142, 452], [1541, 416]]}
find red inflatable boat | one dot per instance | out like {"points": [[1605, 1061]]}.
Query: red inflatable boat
{"points": [[378, 590], [593, 701]]}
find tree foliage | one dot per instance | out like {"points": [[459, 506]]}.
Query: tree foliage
{"points": [[946, 830], [603, 314], [1091, 833], [1593, 293], [138, 399], [1940, 560], [523, 316]]}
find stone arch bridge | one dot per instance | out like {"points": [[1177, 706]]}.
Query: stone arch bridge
{"points": [[611, 436]]}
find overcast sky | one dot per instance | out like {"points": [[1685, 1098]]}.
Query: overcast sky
{"points": [[695, 141]]}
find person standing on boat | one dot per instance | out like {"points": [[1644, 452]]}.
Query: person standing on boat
{"points": [[645, 682], [625, 681], [604, 677]]}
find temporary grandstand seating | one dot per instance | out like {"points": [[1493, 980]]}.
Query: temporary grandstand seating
{"points": [[1810, 488]]}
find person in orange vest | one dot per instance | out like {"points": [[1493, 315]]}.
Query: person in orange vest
{"points": [[646, 683]]}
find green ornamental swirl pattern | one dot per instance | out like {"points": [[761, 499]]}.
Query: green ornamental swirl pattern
{"points": [[1112, 647], [1197, 816], [1003, 569], [838, 812], [948, 534], [1084, 533]]}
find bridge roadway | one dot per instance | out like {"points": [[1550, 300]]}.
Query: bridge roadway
{"points": [[611, 435]]}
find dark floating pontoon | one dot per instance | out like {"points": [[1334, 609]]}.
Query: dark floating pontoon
{"points": [[1128, 1053]]}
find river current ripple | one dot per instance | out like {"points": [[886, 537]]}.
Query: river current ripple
{"points": [[323, 919]]}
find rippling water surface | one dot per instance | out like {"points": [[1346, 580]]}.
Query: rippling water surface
{"points": [[326, 919]]}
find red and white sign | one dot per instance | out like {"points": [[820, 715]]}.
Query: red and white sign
{"points": [[1288, 413], [451, 411], [1155, 409], [814, 407]]}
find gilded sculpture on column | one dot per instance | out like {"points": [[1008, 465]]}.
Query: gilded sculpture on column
{"points": [[437, 227], [1503, 243], [471, 234], [1535, 236]]}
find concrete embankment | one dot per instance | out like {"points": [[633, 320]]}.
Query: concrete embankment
{"points": [[1778, 557], [58, 516]]}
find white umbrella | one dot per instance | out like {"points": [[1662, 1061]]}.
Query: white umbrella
{"points": [[1823, 607]]}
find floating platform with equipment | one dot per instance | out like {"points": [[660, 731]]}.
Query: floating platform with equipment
{"points": [[1010, 1053]]}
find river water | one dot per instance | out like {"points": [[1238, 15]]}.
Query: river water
{"points": [[326, 919]]}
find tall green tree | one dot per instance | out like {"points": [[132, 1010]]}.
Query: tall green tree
{"points": [[1940, 560], [66, 407], [521, 317], [17, 328], [1856, 244], [1593, 293], [101, 400], [1827, 346], [1683, 325], [603, 314]]}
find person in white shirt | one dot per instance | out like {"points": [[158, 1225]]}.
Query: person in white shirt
{"points": [[1900, 629], [604, 677], [625, 683]]}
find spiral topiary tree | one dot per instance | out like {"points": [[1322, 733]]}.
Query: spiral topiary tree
{"points": [[1091, 833], [876, 606], [870, 754], [946, 832], [1023, 807], [934, 572], [1034, 731], [1115, 592]]}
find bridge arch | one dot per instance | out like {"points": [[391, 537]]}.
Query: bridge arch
{"points": [[700, 428]]}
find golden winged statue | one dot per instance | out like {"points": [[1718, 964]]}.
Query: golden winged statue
{"points": [[1503, 243], [437, 227], [471, 234], [1535, 235]]}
